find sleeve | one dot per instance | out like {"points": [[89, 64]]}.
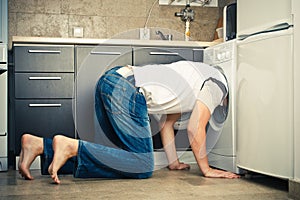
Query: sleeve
{"points": [[211, 95]]}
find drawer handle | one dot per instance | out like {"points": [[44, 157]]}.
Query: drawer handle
{"points": [[44, 51], [44, 78], [44, 105], [105, 53], [164, 53]]}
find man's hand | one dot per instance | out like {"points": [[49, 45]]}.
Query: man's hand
{"points": [[179, 166], [215, 173]]}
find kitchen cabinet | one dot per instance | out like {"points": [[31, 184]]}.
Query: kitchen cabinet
{"points": [[54, 85], [43, 91], [91, 62]]}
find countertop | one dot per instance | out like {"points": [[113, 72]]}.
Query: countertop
{"points": [[91, 41]]}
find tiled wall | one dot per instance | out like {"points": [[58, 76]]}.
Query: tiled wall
{"points": [[104, 18]]}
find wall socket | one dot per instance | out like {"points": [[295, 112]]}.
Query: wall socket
{"points": [[144, 33], [78, 32]]}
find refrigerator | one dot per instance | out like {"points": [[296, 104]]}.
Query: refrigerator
{"points": [[296, 11], [266, 86]]}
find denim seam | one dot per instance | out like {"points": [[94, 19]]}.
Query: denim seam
{"points": [[77, 169]]}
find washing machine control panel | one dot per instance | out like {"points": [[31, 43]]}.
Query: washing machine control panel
{"points": [[220, 53], [224, 52]]}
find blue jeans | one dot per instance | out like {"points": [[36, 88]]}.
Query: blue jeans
{"points": [[121, 112]]}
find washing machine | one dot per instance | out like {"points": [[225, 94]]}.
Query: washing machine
{"points": [[222, 148], [221, 129]]}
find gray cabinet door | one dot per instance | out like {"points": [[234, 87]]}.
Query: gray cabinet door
{"points": [[44, 58], [159, 55], [44, 118], [44, 85], [92, 62]]}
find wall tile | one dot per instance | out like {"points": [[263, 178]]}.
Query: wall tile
{"points": [[35, 6], [118, 26], [42, 25], [106, 18], [125, 8], [83, 7]]}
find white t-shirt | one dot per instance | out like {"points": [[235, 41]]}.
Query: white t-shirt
{"points": [[174, 88]]}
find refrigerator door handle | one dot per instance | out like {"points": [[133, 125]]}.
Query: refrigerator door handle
{"points": [[277, 27]]}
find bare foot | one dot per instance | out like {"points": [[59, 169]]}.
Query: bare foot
{"points": [[32, 146], [64, 148], [215, 173]]}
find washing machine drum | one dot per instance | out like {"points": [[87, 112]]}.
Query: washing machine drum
{"points": [[218, 117], [216, 121]]}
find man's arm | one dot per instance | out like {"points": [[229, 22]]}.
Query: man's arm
{"points": [[168, 141], [197, 136]]}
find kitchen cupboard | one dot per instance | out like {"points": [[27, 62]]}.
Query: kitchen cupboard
{"points": [[91, 62], [54, 85], [43, 91]]}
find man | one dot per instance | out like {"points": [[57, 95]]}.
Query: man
{"points": [[123, 99]]}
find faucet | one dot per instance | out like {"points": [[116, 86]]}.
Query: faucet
{"points": [[164, 37], [187, 15]]}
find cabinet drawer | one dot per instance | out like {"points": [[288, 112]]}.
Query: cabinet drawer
{"points": [[157, 55], [44, 85], [44, 58], [102, 57], [44, 118]]}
